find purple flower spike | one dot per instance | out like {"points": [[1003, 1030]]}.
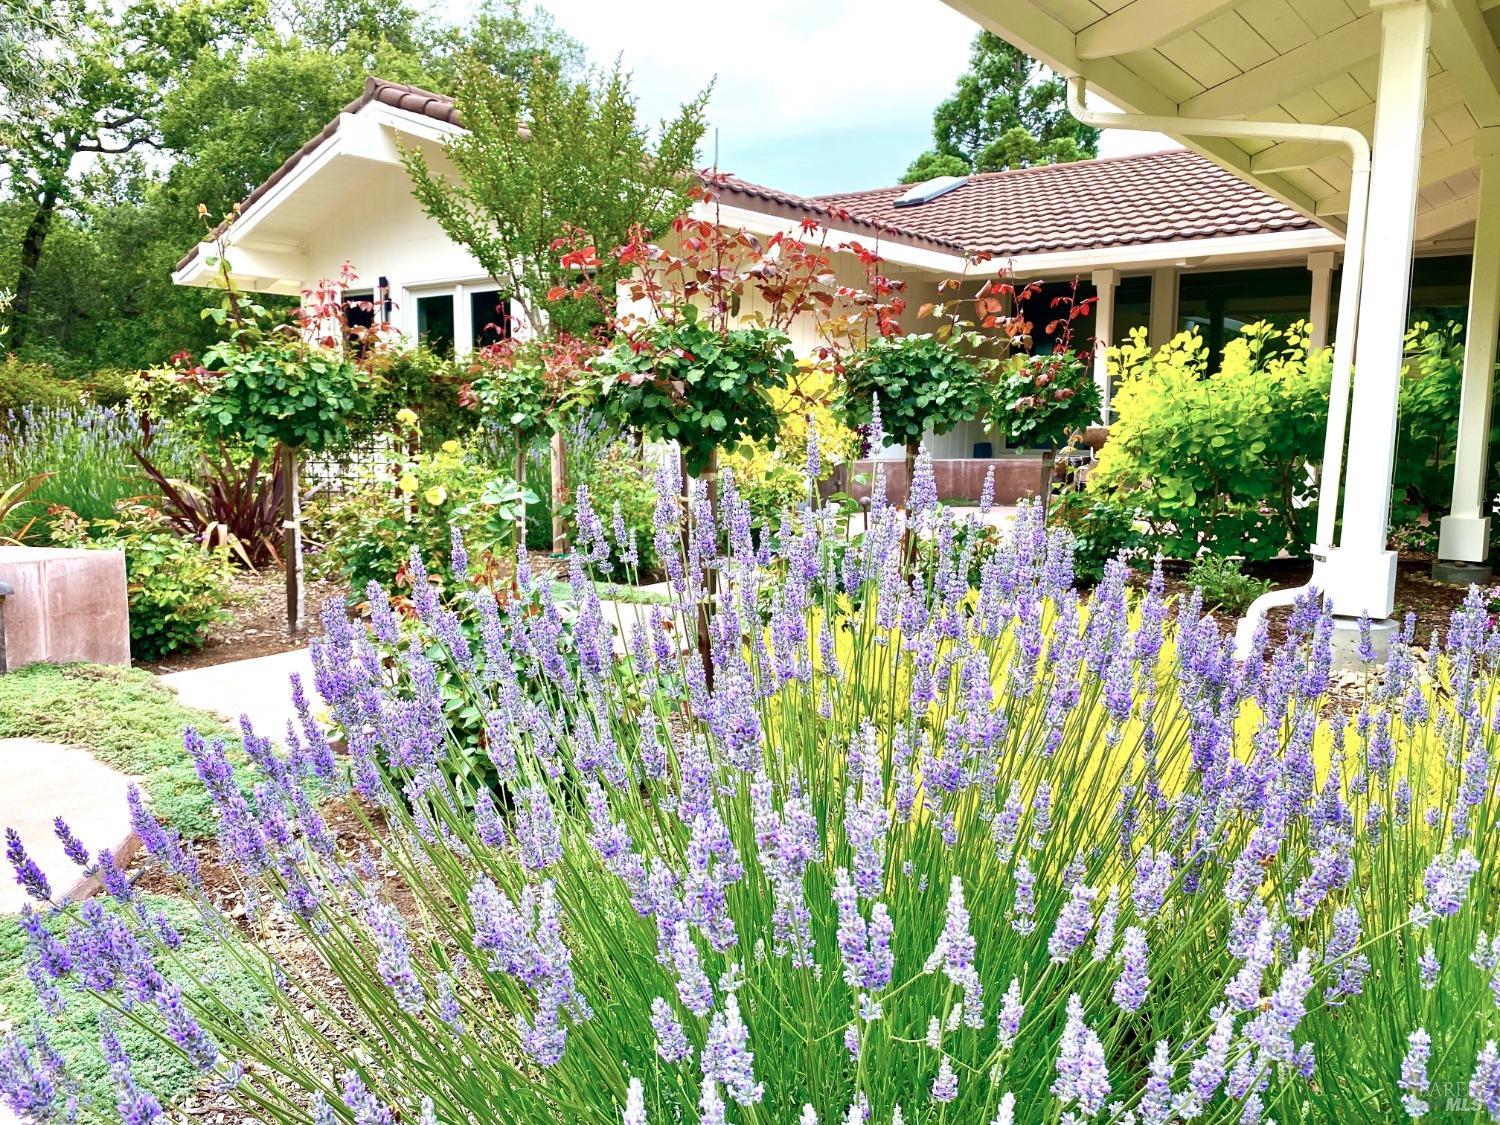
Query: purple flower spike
{"points": [[28, 875], [72, 848]]}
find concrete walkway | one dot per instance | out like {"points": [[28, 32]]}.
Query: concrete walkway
{"points": [[44, 780], [260, 687]]}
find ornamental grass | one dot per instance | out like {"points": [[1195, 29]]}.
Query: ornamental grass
{"points": [[912, 847]]}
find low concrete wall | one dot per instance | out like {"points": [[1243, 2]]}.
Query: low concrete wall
{"points": [[66, 605], [957, 478]]}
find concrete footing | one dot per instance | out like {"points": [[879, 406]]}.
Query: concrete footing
{"points": [[64, 605], [1346, 656], [1461, 573]]}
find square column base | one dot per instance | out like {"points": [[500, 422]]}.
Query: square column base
{"points": [[1359, 583], [1464, 538]]}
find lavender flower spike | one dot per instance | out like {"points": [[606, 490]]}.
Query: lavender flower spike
{"points": [[635, 1104], [29, 876]]}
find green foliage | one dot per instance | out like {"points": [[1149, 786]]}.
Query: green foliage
{"points": [[1008, 111], [678, 379], [621, 476], [177, 588], [29, 383], [420, 380], [923, 383], [545, 154], [74, 1031], [1103, 528], [270, 388], [513, 394], [1043, 400], [1219, 462], [1223, 584], [368, 533], [1431, 387], [126, 718]]}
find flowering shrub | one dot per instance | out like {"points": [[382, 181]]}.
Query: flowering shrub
{"points": [[369, 532], [927, 850]]}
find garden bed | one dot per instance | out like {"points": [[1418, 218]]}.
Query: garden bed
{"points": [[257, 623]]}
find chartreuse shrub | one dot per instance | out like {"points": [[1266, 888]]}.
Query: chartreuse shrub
{"points": [[1218, 462], [774, 477], [924, 849]]}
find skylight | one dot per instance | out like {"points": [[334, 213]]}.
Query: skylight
{"points": [[928, 190]]}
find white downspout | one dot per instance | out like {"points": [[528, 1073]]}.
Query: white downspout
{"points": [[1343, 346]]}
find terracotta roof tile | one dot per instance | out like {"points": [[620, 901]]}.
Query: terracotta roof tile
{"points": [[1120, 201]]}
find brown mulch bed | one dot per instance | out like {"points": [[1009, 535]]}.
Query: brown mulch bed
{"points": [[1416, 592], [257, 623]]}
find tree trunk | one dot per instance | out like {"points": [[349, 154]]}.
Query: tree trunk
{"points": [[559, 494], [32, 242], [708, 480], [1049, 468], [521, 452], [291, 543]]}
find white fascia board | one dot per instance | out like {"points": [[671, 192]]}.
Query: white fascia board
{"points": [[890, 249], [1152, 255], [412, 124]]}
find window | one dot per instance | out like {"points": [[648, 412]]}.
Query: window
{"points": [[1219, 304], [435, 327], [489, 317]]}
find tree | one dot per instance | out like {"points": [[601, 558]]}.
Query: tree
{"points": [[121, 60], [544, 154], [1009, 111], [547, 156]]}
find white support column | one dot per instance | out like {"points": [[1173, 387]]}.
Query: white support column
{"points": [[1465, 534], [1105, 282], [1320, 307], [1163, 322], [1360, 575]]}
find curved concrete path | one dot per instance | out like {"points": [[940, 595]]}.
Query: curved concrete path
{"points": [[44, 780], [260, 687]]}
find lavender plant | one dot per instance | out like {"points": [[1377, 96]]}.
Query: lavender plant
{"points": [[929, 850]]}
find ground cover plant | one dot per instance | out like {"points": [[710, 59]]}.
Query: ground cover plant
{"points": [[126, 719], [928, 849]]}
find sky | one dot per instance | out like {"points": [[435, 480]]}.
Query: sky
{"points": [[810, 96]]}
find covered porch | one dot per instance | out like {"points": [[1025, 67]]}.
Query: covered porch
{"points": [[1380, 119]]}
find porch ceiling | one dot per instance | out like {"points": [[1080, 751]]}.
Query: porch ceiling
{"points": [[1311, 61]]}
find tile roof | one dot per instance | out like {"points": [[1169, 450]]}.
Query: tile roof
{"points": [[1117, 201]]}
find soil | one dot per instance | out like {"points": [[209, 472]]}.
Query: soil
{"points": [[257, 623], [1416, 592]]}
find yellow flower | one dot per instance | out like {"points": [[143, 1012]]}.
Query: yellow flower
{"points": [[407, 483], [451, 446], [435, 495], [406, 416]]}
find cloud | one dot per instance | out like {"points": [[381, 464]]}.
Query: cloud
{"points": [[808, 95]]}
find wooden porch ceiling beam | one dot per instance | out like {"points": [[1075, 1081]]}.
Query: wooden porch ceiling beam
{"points": [[1462, 42], [1052, 43], [1436, 167], [1442, 93], [1144, 24], [1289, 73]]}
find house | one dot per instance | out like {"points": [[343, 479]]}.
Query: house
{"points": [[1163, 239], [1381, 120]]}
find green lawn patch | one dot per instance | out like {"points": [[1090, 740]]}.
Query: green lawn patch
{"points": [[74, 1032], [126, 718]]}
